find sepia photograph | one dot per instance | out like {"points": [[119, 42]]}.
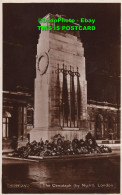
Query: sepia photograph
{"points": [[61, 97]]}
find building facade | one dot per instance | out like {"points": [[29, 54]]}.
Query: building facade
{"points": [[103, 121], [17, 119]]}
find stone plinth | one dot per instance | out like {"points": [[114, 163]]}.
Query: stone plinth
{"points": [[48, 135]]}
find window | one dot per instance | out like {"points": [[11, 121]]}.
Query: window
{"points": [[5, 132], [5, 125], [30, 117]]}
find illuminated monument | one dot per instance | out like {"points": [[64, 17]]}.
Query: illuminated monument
{"points": [[60, 101]]}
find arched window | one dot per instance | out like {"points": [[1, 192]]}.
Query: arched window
{"points": [[111, 121], [5, 124], [99, 127], [30, 116]]}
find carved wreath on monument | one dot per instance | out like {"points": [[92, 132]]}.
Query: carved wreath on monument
{"points": [[42, 63]]}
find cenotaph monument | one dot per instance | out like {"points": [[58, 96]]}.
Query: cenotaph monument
{"points": [[60, 100]]}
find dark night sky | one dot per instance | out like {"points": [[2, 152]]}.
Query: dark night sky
{"points": [[20, 36]]}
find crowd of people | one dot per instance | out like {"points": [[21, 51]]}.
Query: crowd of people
{"points": [[61, 147]]}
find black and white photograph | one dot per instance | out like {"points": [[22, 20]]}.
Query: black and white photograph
{"points": [[61, 97]]}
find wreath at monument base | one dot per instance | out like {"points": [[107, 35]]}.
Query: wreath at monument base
{"points": [[58, 147]]}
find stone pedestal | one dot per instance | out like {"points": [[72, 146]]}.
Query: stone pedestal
{"points": [[60, 85]]}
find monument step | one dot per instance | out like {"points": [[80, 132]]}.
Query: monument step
{"points": [[70, 128]]}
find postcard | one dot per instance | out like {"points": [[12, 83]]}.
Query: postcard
{"points": [[61, 97]]}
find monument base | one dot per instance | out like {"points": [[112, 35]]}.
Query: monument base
{"points": [[69, 133]]}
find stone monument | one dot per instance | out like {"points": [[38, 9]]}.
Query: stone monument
{"points": [[60, 101]]}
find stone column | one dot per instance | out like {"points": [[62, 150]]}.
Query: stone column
{"points": [[53, 48]]}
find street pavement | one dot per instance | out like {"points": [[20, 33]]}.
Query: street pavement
{"points": [[86, 175]]}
